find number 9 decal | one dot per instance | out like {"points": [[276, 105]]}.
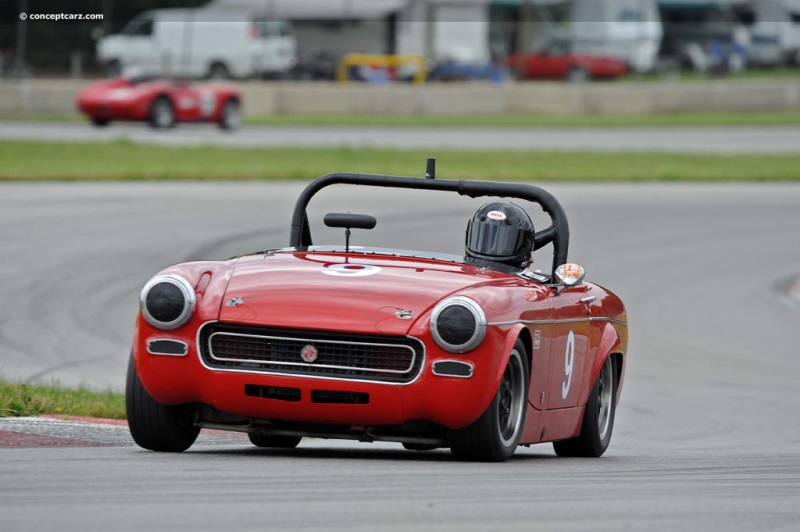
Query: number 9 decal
{"points": [[569, 362]]}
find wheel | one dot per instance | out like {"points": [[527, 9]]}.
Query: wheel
{"points": [[278, 442], [218, 71], [577, 74], [155, 426], [598, 418], [162, 113], [99, 122], [113, 69], [494, 436], [231, 117]]}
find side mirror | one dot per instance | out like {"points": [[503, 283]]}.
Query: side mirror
{"points": [[570, 274]]}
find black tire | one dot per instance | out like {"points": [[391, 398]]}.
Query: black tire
{"points": [[218, 71], [494, 436], [113, 69], [162, 113], [598, 418], [100, 122], [155, 426], [231, 117], [277, 442]]}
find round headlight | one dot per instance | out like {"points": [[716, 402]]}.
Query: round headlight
{"points": [[167, 301], [458, 324]]}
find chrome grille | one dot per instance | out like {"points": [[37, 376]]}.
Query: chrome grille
{"points": [[344, 356]]}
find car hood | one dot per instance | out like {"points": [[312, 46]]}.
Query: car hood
{"points": [[342, 292]]}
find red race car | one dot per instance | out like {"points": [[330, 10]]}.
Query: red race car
{"points": [[476, 353], [162, 103], [556, 60]]}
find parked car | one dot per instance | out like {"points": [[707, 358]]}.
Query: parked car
{"points": [[556, 60], [477, 353], [197, 43], [161, 103]]}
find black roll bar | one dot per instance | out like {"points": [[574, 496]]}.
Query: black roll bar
{"points": [[557, 233]]}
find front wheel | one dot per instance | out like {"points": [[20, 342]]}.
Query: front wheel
{"points": [[494, 436], [598, 418], [231, 117], [155, 426]]}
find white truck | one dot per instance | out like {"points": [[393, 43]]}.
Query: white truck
{"points": [[200, 43], [629, 30]]}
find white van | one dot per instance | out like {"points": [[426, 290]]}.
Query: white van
{"points": [[774, 27], [197, 43], [629, 30]]}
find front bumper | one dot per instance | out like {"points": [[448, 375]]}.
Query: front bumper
{"points": [[452, 401]]}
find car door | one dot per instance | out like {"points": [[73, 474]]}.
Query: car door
{"points": [[569, 346]]}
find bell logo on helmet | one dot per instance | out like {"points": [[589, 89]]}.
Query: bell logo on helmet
{"points": [[496, 215]]}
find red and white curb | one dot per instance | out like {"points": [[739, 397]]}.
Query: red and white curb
{"points": [[75, 431]]}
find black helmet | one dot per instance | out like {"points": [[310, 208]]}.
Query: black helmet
{"points": [[500, 233]]}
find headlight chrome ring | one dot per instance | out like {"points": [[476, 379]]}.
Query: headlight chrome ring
{"points": [[167, 301], [458, 324]]}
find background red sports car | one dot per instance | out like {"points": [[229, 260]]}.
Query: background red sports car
{"points": [[160, 102], [556, 60]]}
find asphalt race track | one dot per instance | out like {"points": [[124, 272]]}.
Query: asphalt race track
{"points": [[707, 434], [752, 139]]}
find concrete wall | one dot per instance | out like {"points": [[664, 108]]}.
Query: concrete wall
{"points": [[43, 97]]}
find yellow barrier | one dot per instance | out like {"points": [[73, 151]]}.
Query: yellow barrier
{"points": [[382, 61]]}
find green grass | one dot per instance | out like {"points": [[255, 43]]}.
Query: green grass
{"points": [[17, 399], [708, 118], [122, 160]]}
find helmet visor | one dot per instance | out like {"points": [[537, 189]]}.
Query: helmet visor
{"points": [[495, 240]]}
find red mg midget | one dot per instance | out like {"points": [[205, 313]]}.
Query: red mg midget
{"points": [[162, 103], [474, 353]]}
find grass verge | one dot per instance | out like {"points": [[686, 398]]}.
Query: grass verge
{"points": [[123, 160], [18, 399]]}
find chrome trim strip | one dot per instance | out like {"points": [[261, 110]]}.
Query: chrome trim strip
{"points": [[184, 344], [314, 377], [553, 322], [304, 364], [460, 363], [480, 324], [189, 301]]}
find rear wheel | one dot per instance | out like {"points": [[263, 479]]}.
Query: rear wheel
{"points": [[494, 436], [113, 69], [218, 71], [162, 113], [99, 122], [598, 418], [155, 426], [278, 442]]}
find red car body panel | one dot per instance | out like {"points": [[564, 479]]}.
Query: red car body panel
{"points": [[290, 289], [121, 99], [546, 66]]}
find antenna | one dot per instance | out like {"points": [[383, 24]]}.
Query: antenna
{"points": [[430, 168]]}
